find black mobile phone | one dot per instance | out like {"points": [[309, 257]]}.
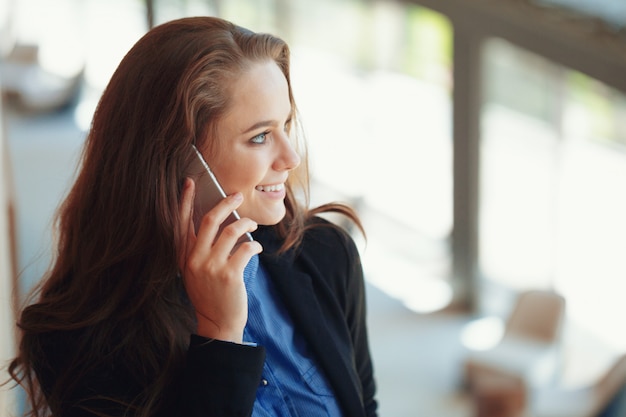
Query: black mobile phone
{"points": [[209, 192]]}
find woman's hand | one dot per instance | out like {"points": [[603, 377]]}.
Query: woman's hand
{"points": [[212, 271]]}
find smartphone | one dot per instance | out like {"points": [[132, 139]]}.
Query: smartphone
{"points": [[208, 193]]}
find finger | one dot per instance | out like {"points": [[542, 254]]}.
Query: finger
{"points": [[232, 235], [186, 222], [244, 252], [186, 204], [213, 219]]}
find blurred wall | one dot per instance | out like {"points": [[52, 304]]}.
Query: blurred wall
{"points": [[7, 275]]}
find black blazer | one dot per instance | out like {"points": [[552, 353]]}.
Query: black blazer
{"points": [[322, 286]]}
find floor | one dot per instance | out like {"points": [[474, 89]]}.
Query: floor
{"points": [[416, 356], [417, 360]]}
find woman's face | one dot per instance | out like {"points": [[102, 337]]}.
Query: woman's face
{"points": [[255, 151]]}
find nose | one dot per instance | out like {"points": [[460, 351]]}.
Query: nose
{"points": [[287, 158]]}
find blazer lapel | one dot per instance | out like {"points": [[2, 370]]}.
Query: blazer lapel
{"points": [[299, 296]]}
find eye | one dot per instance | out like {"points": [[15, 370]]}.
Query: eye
{"points": [[260, 138]]}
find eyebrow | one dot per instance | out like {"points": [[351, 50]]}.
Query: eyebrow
{"points": [[259, 125], [266, 123]]}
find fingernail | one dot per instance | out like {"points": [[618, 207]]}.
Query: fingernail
{"points": [[236, 196]]}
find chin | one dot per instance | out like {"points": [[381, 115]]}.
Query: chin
{"points": [[269, 222], [271, 219]]}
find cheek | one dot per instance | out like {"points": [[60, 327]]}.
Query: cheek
{"points": [[241, 177], [240, 170]]}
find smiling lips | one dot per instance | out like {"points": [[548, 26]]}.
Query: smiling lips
{"points": [[270, 188]]}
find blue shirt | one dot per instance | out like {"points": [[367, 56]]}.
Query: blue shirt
{"points": [[292, 384]]}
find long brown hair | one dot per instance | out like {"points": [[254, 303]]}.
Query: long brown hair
{"points": [[114, 277]]}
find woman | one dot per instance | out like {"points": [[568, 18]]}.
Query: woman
{"points": [[142, 315]]}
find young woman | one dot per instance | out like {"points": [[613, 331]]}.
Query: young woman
{"points": [[148, 313]]}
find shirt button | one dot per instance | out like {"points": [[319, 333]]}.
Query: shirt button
{"points": [[264, 382]]}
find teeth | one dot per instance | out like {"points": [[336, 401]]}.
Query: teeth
{"points": [[276, 187]]}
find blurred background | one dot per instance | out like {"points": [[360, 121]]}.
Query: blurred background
{"points": [[482, 142]]}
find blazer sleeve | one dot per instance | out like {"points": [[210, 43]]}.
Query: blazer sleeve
{"points": [[219, 379], [355, 310]]}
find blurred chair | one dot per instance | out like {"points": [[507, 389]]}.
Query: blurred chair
{"points": [[604, 398], [530, 346], [499, 394]]}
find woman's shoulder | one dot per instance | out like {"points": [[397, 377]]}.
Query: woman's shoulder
{"points": [[325, 233], [328, 243], [321, 238]]}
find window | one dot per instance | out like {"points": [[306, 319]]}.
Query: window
{"points": [[552, 187]]}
